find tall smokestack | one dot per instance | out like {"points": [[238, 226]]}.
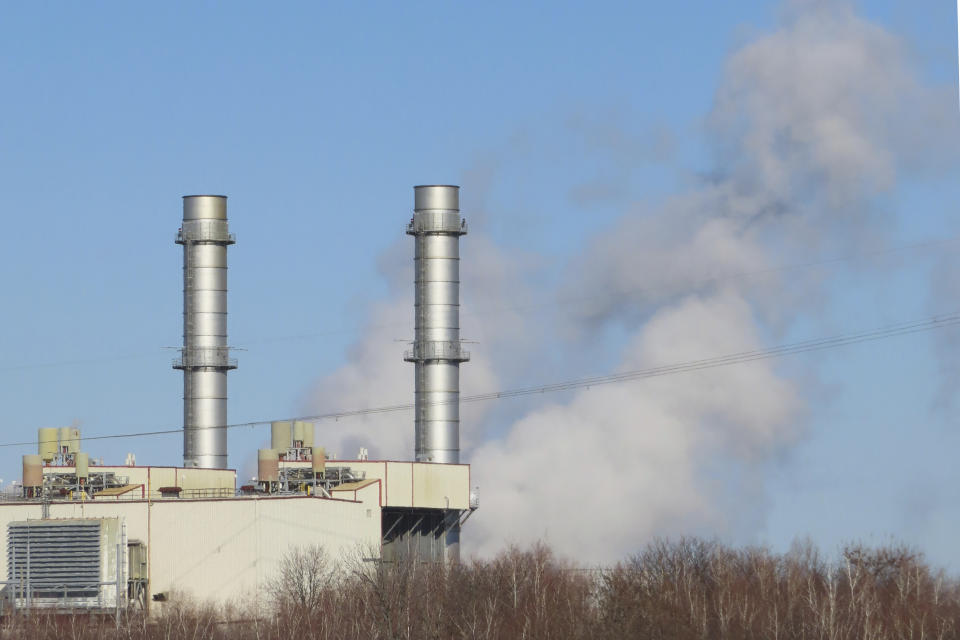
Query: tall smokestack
{"points": [[205, 356], [436, 227]]}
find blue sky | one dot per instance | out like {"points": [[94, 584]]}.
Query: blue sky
{"points": [[316, 121]]}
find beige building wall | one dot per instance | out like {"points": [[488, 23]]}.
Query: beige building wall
{"points": [[397, 479], [226, 549], [441, 486], [366, 491], [420, 484]]}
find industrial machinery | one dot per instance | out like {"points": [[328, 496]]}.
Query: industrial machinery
{"points": [[191, 527], [294, 465], [67, 564], [60, 448]]}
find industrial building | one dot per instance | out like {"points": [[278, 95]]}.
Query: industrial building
{"points": [[83, 535]]}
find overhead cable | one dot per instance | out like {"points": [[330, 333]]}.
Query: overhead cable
{"points": [[818, 344]]}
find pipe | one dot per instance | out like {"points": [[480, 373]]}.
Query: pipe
{"points": [[205, 356], [436, 227]]}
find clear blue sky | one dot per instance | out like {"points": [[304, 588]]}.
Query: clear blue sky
{"points": [[317, 119]]}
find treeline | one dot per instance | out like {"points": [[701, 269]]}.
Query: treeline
{"points": [[687, 589]]}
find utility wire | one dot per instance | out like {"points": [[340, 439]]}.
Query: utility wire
{"points": [[805, 346], [563, 301]]}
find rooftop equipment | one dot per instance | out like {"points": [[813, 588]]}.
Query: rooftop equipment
{"points": [[303, 433], [32, 474], [281, 435], [82, 465], [205, 356], [268, 465], [48, 443], [69, 440], [292, 440], [318, 459], [58, 446]]}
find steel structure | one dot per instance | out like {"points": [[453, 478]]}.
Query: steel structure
{"points": [[436, 227], [205, 356], [437, 352]]}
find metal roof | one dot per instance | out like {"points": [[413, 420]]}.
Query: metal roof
{"points": [[117, 491], [353, 486]]}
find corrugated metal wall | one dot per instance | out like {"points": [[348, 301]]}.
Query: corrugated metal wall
{"points": [[223, 549], [73, 563]]}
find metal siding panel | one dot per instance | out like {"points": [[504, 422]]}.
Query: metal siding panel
{"points": [[436, 484], [65, 561], [401, 484], [231, 546], [241, 541]]}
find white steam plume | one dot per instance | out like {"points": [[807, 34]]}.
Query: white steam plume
{"points": [[810, 123]]}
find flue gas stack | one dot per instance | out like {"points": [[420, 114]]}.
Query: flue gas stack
{"points": [[436, 227], [205, 357]]}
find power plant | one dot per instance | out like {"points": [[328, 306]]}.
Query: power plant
{"points": [[82, 535]]}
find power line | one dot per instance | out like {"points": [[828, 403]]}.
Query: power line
{"points": [[805, 346], [549, 304]]}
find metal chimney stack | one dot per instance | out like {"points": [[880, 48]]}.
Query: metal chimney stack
{"points": [[436, 227], [205, 356]]}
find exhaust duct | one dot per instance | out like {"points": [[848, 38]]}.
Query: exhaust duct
{"points": [[205, 357], [436, 227]]}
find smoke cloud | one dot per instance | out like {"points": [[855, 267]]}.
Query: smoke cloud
{"points": [[810, 123]]}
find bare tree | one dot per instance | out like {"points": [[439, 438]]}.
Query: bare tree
{"points": [[305, 574], [688, 589]]}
